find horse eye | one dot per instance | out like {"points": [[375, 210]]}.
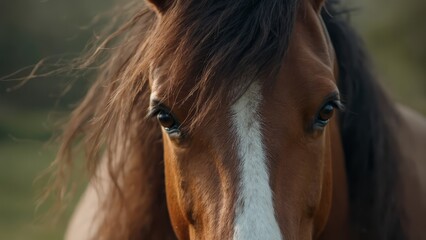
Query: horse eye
{"points": [[325, 114], [166, 120]]}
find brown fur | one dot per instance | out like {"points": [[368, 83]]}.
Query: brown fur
{"points": [[213, 44]]}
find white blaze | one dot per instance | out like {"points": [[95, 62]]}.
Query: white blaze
{"points": [[254, 216]]}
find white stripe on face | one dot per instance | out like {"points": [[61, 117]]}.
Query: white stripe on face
{"points": [[254, 216]]}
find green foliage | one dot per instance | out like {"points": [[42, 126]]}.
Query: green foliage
{"points": [[395, 34], [29, 31], [24, 155]]}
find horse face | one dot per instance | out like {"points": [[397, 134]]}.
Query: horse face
{"points": [[259, 167]]}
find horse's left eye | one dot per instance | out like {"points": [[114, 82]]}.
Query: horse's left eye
{"points": [[325, 114]]}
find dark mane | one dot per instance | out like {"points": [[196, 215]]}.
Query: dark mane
{"points": [[368, 139], [225, 45]]}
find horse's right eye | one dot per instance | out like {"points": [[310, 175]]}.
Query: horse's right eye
{"points": [[166, 119], [168, 122]]}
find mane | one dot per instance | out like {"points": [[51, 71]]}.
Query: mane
{"points": [[369, 141], [226, 45], [219, 41]]}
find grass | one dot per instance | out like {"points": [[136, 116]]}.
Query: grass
{"points": [[23, 157]]}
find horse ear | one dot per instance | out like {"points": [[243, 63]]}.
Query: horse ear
{"points": [[159, 6]]}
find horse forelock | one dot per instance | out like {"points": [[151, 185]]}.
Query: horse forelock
{"points": [[218, 48]]}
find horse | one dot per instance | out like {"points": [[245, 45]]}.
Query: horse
{"points": [[216, 119]]}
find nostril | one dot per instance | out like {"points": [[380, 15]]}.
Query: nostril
{"points": [[190, 216]]}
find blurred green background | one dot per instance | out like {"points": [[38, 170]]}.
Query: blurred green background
{"points": [[394, 31]]}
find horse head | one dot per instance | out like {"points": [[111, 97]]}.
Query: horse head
{"points": [[246, 107], [223, 119]]}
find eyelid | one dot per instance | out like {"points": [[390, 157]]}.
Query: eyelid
{"points": [[152, 111], [334, 99], [155, 107], [339, 105]]}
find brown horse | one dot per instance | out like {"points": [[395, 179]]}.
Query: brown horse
{"points": [[240, 141]]}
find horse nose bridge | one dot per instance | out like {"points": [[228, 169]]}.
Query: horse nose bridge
{"points": [[254, 212]]}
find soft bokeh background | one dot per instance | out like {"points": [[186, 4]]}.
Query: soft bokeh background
{"points": [[394, 31]]}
